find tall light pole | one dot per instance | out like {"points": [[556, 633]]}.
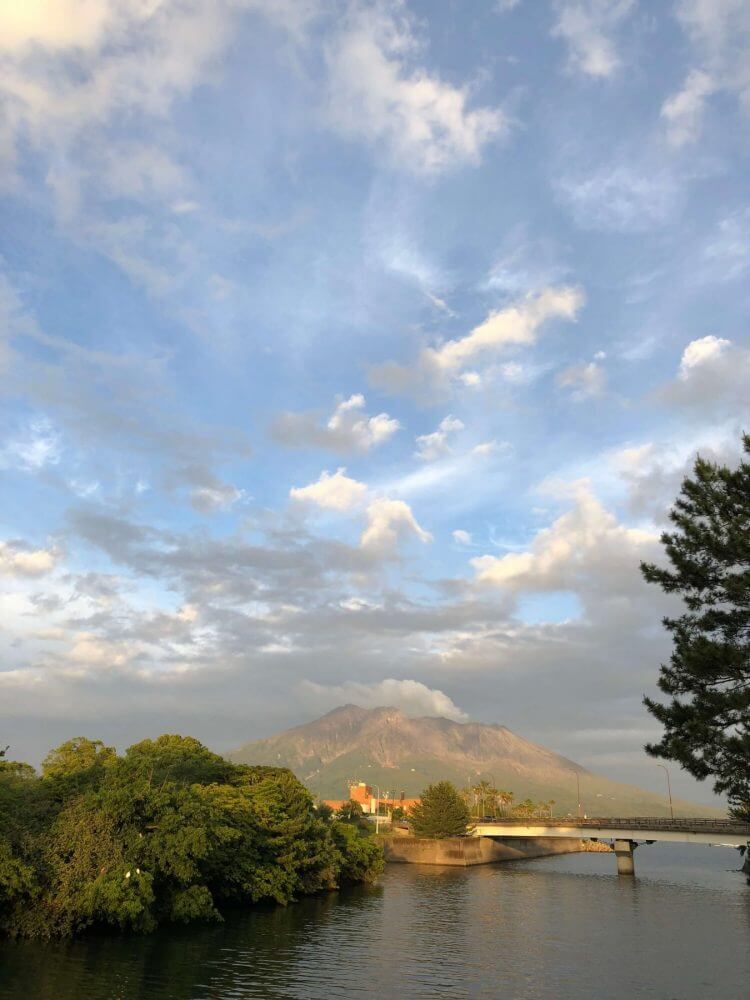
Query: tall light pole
{"points": [[669, 789], [377, 809], [578, 791]]}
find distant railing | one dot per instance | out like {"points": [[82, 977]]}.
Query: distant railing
{"points": [[627, 823]]}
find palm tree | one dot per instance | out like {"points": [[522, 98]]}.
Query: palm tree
{"points": [[506, 801]]}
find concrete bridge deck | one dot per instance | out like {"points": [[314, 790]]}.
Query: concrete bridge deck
{"points": [[689, 831], [625, 832]]}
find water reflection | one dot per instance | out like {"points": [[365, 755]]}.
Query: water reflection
{"points": [[563, 927]]}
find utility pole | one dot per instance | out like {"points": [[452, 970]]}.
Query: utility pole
{"points": [[669, 789], [377, 809]]}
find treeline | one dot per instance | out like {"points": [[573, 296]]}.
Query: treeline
{"points": [[167, 832], [484, 799]]}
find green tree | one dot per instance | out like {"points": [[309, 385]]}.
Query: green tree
{"points": [[524, 810], [179, 758], [707, 721], [76, 765], [362, 857], [324, 811], [168, 832], [350, 811], [441, 812], [505, 801]]}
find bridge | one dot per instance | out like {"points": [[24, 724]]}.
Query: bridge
{"points": [[625, 833]]}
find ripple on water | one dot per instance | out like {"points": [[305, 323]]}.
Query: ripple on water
{"points": [[562, 927]]}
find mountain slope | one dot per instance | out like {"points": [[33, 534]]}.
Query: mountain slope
{"points": [[384, 747]]}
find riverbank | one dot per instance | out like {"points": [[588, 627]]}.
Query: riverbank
{"points": [[563, 927], [465, 852]]}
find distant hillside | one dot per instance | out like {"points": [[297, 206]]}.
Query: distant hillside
{"points": [[384, 747]]}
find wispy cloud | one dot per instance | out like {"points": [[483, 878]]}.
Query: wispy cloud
{"points": [[588, 27], [347, 429], [436, 368], [379, 93]]}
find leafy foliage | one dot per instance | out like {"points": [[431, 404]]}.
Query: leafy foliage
{"points": [[707, 722], [441, 812], [363, 858], [168, 832], [350, 811]]}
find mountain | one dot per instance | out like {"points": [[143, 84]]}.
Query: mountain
{"points": [[384, 747]]}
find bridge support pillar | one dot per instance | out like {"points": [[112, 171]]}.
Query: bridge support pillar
{"points": [[624, 854]]}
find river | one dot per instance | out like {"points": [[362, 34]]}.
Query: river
{"points": [[564, 927]]}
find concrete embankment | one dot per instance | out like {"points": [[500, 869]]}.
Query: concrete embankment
{"points": [[466, 851]]}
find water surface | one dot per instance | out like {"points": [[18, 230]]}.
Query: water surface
{"points": [[564, 927]]}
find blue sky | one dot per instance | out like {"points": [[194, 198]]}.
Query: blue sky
{"points": [[354, 352]]}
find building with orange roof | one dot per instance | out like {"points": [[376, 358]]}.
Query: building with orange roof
{"points": [[365, 797]]}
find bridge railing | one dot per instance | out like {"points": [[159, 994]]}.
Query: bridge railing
{"points": [[627, 823]]}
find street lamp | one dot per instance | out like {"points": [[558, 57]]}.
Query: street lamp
{"points": [[377, 809], [669, 788], [578, 791]]}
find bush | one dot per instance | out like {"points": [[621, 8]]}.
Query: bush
{"points": [[441, 812], [168, 832]]}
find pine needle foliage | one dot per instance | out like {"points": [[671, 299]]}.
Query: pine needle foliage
{"points": [[707, 721], [441, 812]]}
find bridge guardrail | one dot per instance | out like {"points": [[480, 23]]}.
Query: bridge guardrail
{"points": [[628, 823]]}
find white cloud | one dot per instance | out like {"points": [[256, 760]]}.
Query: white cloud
{"points": [[525, 265], [712, 378], [61, 24], [388, 521], [727, 254], [377, 93], [347, 429], [487, 448], [412, 697], [89, 650], [584, 549], [130, 57], [621, 197], [435, 445], [720, 32], [588, 27], [583, 380], [364, 432], [683, 112], [332, 491], [18, 559], [511, 327], [212, 499], [700, 352], [37, 447], [462, 537], [506, 329], [653, 471]]}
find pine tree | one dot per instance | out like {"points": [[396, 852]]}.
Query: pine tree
{"points": [[441, 812], [707, 722]]}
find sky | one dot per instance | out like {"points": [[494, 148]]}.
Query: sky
{"points": [[354, 352]]}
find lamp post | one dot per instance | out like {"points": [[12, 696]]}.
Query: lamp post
{"points": [[377, 809], [578, 792], [669, 789]]}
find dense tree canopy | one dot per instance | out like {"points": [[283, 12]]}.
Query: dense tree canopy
{"points": [[168, 832], [707, 721], [441, 812]]}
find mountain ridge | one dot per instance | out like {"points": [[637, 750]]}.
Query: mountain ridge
{"points": [[385, 747]]}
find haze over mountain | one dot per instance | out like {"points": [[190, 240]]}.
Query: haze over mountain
{"points": [[384, 747]]}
